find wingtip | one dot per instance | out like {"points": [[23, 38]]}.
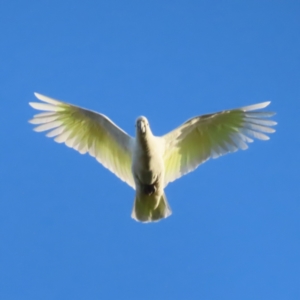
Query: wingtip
{"points": [[47, 99], [265, 104], [256, 106], [268, 102], [37, 95]]}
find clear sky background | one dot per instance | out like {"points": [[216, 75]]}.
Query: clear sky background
{"points": [[65, 226]]}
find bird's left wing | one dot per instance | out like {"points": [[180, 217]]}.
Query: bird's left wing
{"points": [[86, 131], [213, 135]]}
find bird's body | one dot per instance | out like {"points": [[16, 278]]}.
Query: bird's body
{"points": [[148, 174], [148, 163]]}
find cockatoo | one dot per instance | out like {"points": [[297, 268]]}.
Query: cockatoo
{"points": [[148, 163]]}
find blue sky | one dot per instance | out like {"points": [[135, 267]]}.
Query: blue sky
{"points": [[65, 226]]}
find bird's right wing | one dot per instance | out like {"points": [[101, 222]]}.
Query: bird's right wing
{"points": [[213, 135], [86, 131]]}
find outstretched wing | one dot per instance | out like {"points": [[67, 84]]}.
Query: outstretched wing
{"points": [[213, 135], [86, 131]]}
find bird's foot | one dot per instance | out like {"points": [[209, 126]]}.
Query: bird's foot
{"points": [[149, 189]]}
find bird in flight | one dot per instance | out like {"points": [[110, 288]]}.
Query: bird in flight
{"points": [[148, 163]]}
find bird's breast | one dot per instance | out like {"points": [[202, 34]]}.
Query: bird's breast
{"points": [[147, 164]]}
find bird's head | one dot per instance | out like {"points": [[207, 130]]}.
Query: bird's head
{"points": [[142, 125]]}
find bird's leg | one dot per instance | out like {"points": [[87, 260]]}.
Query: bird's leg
{"points": [[149, 189]]}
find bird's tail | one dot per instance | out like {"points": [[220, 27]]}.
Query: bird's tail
{"points": [[147, 209]]}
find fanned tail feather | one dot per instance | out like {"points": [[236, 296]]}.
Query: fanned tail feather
{"points": [[146, 209]]}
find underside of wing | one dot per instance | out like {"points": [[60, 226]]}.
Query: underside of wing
{"points": [[87, 132], [213, 135]]}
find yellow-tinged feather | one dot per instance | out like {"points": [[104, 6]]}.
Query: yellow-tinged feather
{"points": [[213, 135], [86, 131]]}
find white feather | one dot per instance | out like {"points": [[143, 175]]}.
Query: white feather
{"points": [[147, 158]]}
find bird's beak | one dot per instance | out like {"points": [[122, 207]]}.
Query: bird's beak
{"points": [[142, 127]]}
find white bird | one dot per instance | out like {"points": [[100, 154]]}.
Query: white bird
{"points": [[148, 163]]}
